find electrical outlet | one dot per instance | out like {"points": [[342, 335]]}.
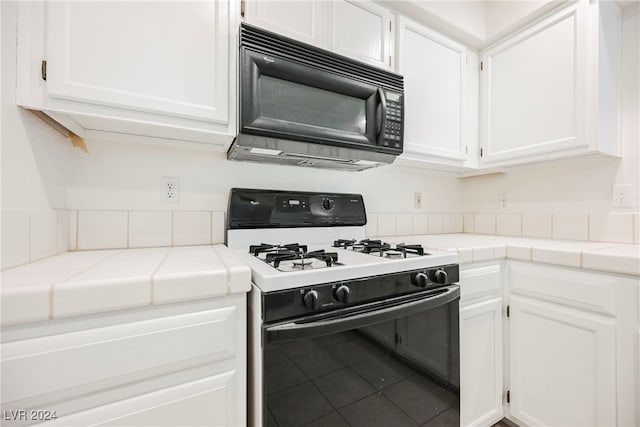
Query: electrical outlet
{"points": [[622, 196], [417, 200], [169, 189], [504, 201]]}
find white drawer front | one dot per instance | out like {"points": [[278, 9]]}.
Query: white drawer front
{"points": [[478, 282], [209, 401], [596, 292], [43, 365]]}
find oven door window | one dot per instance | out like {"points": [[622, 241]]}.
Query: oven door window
{"points": [[280, 98], [401, 372]]}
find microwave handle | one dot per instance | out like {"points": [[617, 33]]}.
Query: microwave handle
{"points": [[382, 109], [292, 330]]}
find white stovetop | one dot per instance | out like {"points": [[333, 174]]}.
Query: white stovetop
{"points": [[353, 265]]}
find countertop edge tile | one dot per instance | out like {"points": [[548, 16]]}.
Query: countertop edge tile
{"points": [[612, 263]]}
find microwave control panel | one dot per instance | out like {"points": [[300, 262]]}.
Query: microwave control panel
{"points": [[393, 128]]}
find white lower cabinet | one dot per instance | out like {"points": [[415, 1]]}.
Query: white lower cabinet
{"points": [[209, 401], [481, 349], [571, 347], [481, 363], [563, 365], [174, 365]]}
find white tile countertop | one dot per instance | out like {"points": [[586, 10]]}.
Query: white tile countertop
{"points": [[77, 283], [607, 257]]}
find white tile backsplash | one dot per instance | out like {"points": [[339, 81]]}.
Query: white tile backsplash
{"points": [[44, 234], [149, 229], [191, 228], [484, 224], [404, 224], [448, 223], [386, 224], [611, 227], [509, 224], [102, 229], [459, 223], [73, 230], [420, 224], [570, 226], [62, 231], [15, 237], [468, 221], [217, 227], [435, 224], [537, 225], [372, 225]]}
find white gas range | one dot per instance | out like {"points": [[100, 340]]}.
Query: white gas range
{"points": [[316, 278]]}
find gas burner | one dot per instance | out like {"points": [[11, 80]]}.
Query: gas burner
{"points": [[380, 248], [300, 259], [269, 248], [393, 254], [411, 249], [343, 243]]}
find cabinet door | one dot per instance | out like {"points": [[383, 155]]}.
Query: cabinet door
{"points": [[434, 78], [306, 21], [210, 401], [166, 57], [481, 363], [563, 369], [533, 89], [361, 30]]}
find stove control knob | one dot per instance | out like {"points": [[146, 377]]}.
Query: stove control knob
{"points": [[310, 299], [342, 294], [327, 204], [420, 280], [440, 277]]}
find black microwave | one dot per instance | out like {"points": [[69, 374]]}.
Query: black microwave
{"points": [[305, 106]]}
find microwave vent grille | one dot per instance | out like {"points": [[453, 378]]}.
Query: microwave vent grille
{"points": [[264, 41]]}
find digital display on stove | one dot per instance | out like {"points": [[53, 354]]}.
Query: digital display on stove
{"points": [[288, 204]]}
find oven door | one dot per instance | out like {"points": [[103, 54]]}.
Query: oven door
{"points": [[390, 363], [288, 100]]}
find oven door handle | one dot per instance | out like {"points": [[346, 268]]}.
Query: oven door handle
{"points": [[293, 330]]}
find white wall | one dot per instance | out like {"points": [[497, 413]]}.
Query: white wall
{"points": [[35, 158], [127, 176]]}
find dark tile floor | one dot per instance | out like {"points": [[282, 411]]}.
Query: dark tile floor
{"points": [[346, 380]]}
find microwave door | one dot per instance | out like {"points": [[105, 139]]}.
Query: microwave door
{"points": [[290, 100]]}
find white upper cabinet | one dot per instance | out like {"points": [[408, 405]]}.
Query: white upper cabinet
{"points": [[362, 30], [434, 70], [550, 91], [358, 29], [147, 68], [306, 21]]}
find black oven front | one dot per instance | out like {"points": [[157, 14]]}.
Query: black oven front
{"points": [[391, 362]]}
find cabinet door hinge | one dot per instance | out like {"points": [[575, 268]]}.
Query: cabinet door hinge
{"points": [[481, 65], [481, 152], [466, 149], [508, 311], [243, 5], [43, 69], [389, 60], [389, 26], [397, 339], [508, 396]]}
